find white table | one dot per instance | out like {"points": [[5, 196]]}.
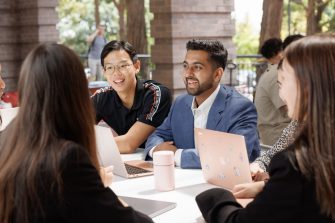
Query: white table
{"points": [[188, 184]]}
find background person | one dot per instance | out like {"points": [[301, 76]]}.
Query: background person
{"points": [[260, 166], [271, 110], [96, 42]]}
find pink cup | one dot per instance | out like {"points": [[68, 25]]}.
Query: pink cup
{"points": [[164, 170]]}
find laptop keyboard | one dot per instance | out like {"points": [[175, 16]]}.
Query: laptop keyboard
{"points": [[135, 170]]}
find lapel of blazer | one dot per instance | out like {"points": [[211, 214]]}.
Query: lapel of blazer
{"points": [[215, 114], [187, 112]]}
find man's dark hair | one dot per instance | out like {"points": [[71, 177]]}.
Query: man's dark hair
{"points": [[117, 45], [217, 52], [271, 47], [290, 39]]}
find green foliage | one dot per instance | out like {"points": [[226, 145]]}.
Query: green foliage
{"points": [[76, 22], [245, 40], [328, 18], [298, 20]]}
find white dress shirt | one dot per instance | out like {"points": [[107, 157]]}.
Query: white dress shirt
{"points": [[200, 119]]}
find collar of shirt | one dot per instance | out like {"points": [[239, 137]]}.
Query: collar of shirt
{"points": [[137, 98], [201, 113]]}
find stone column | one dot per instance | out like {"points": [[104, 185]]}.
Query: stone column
{"points": [[177, 21], [24, 24]]}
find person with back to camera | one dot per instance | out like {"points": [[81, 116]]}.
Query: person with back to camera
{"points": [[271, 110], [208, 104], [48, 158], [287, 134], [259, 167], [301, 186], [133, 108]]}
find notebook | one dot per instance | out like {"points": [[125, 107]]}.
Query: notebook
{"points": [[152, 208], [108, 154], [7, 115], [223, 157]]}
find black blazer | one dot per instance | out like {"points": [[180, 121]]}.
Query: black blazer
{"points": [[287, 197], [85, 199]]}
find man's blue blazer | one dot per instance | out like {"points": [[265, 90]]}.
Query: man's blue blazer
{"points": [[231, 112]]}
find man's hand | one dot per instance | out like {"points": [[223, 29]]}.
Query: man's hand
{"points": [[166, 146]]}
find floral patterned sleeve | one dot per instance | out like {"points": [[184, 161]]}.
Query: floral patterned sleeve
{"points": [[284, 140]]}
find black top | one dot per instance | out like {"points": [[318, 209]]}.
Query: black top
{"points": [[151, 105], [85, 199], [287, 197]]}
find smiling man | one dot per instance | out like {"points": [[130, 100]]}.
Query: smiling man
{"points": [[131, 107], [207, 105]]}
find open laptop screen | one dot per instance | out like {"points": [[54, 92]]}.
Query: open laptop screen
{"points": [[223, 157]]}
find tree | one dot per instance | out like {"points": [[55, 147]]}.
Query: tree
{"points": [[329, 15], [136, 28], [294, 21], [314, 11], [77, 21], [314, 14], [132, 23], [121, 7], [271, 20], [96, 12]]}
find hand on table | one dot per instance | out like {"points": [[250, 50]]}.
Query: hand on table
{"points": [[166, 146], [106, 174], [248, 190]]}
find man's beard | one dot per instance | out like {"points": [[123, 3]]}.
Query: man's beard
{"points": [[201, 87]]}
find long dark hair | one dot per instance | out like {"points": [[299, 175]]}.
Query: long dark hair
{"points": [[312, 59], [55, 110]]}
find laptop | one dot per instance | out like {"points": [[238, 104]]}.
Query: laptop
{"points": [[108, 154], [152, 208], [7, 115], [223, 158]]}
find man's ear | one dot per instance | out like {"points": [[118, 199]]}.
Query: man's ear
{"points": [[137, 65], [218, 74]]}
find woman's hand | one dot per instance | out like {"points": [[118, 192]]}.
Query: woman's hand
{"points": [[254, 168], [106, 174], [248, 190]]}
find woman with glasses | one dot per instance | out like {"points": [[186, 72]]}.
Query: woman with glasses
{"points": [[133, 108]]}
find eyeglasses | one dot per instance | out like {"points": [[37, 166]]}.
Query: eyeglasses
{"points": [[122, 68]]}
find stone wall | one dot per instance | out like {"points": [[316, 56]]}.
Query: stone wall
{"points": [[24, 24], [175, 22]]}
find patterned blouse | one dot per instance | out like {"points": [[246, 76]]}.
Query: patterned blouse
{"points": [[284, 141]]}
